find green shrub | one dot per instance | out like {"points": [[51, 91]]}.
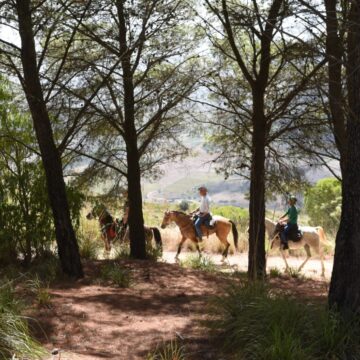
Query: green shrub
{"points": [[251, 322], [203, 263], [171, 350], [323, 204], [118, 275], [236, 214]]}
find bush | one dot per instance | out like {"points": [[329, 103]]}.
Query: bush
{"points": [[323, 204], [251, 322], [236, 214]]}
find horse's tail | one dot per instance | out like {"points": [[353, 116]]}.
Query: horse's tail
{"points": [[322, 236], [157, 237], [235, 234]]}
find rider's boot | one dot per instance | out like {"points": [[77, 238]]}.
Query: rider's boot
{"points": [[284, 245]]}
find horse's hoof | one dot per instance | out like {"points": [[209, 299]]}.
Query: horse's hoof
{"points": [[223, 259], [176, 259]]}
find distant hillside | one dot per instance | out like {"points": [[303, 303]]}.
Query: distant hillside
{"points": [[181, 180]]}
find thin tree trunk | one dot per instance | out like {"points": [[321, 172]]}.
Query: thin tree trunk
{"points": [[257, 263], [65, 235], [334, 52], [136, 218], [344, 291]]}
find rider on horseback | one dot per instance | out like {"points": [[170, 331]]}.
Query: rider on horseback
{"points": [[290, 220], [202, 215]]}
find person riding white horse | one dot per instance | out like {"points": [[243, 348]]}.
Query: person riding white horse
{"points": [[290, 219]]}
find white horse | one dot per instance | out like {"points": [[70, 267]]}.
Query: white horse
{"points": [[313, 238]]}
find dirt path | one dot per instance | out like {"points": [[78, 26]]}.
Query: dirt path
{"points": [[92, 320], [239, 262]]}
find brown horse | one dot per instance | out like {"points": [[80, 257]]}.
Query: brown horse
{"points": [[113, 230], [221, 228]]}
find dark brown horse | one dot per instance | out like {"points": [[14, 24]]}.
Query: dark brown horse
{"points": [[113, 229], [185, 223]]}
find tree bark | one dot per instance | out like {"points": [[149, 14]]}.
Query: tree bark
{"points": [[344, 292], [136, 218], [65, 235], [257, 262], [334, 53]]}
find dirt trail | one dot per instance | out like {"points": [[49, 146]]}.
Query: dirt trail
{"points": [[239, 262], [89, 320]]}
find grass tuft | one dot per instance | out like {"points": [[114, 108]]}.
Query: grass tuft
{"points": [[40, 290], [88, 249], [171, 350], [118, 275], [194, 261], [15, 338], [275, 272]]}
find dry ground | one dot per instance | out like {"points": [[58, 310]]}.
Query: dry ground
{"points": [[89, 320]]}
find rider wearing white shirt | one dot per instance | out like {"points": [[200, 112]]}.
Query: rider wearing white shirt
{"points": [[204, 211]]}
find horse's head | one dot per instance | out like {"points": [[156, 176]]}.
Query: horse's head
{"points": [[96, 212], [90, 215], [274, 238], [167, 219]]}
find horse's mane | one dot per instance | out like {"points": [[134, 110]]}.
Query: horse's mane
{"points": [[181, 213]]}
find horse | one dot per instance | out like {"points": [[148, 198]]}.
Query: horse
{"points": [[112, 230], [221, 228], [312, 238]]}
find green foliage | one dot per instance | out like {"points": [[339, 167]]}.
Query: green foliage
{"points": [[251, 322], [15, 336], [47, 268], [323, 204], [236, 214], [25, 213], [203, 263], [118, 275], [171, 350]]}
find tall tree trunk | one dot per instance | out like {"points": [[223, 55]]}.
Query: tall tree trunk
{"points": [[67, 245], [257, 263], [334, 52], [345, 281], [136, 218]]}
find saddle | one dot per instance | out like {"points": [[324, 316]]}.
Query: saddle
{"points": [[209, 221], [294, 235]]}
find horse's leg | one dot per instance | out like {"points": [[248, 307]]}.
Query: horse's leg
{"points": [[321, 253], [198, 249], [179, 248], [223, 239], [284, 257], [308, 256]]}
